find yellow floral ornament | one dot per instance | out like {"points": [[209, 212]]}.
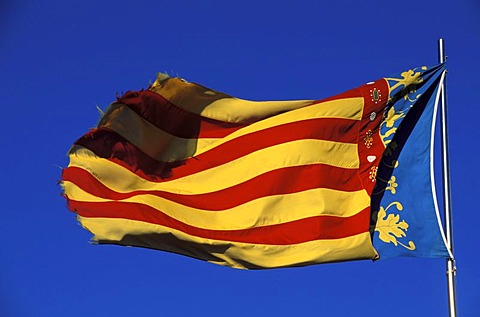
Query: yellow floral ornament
{"points": [[392, 116], [408, 78], [389, 122], [392, 185], [389, 227]]}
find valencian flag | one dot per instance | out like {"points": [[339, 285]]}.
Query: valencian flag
{"points": [[186, 169]]}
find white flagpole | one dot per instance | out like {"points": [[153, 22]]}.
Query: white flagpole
{"points": [[451, 269]]}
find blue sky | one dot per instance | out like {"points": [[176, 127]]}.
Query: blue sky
{"points": [[60, 59]]}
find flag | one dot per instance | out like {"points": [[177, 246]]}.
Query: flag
{"points": [[186, 169]]}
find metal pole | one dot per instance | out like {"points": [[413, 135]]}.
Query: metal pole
{"points": [[451, 269]]}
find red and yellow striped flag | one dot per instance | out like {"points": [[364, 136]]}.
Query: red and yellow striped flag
{"points": [[186, 169]]}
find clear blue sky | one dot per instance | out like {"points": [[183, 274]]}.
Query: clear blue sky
{"points": [[59, 59]]}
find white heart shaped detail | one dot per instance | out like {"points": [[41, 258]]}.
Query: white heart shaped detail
{"points": [[371, 158]]}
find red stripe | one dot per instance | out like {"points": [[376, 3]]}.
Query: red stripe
{"points": [[108, 144], [299, 231], [277, 182], [174, 120]]}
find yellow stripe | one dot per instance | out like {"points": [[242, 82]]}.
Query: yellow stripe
{"points": [[235, 254], [335, 108], [151, 140], [219, 106], [263, 211], [297, 153]]}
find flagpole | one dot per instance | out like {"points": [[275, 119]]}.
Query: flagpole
{"points": [[451, 269]]}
